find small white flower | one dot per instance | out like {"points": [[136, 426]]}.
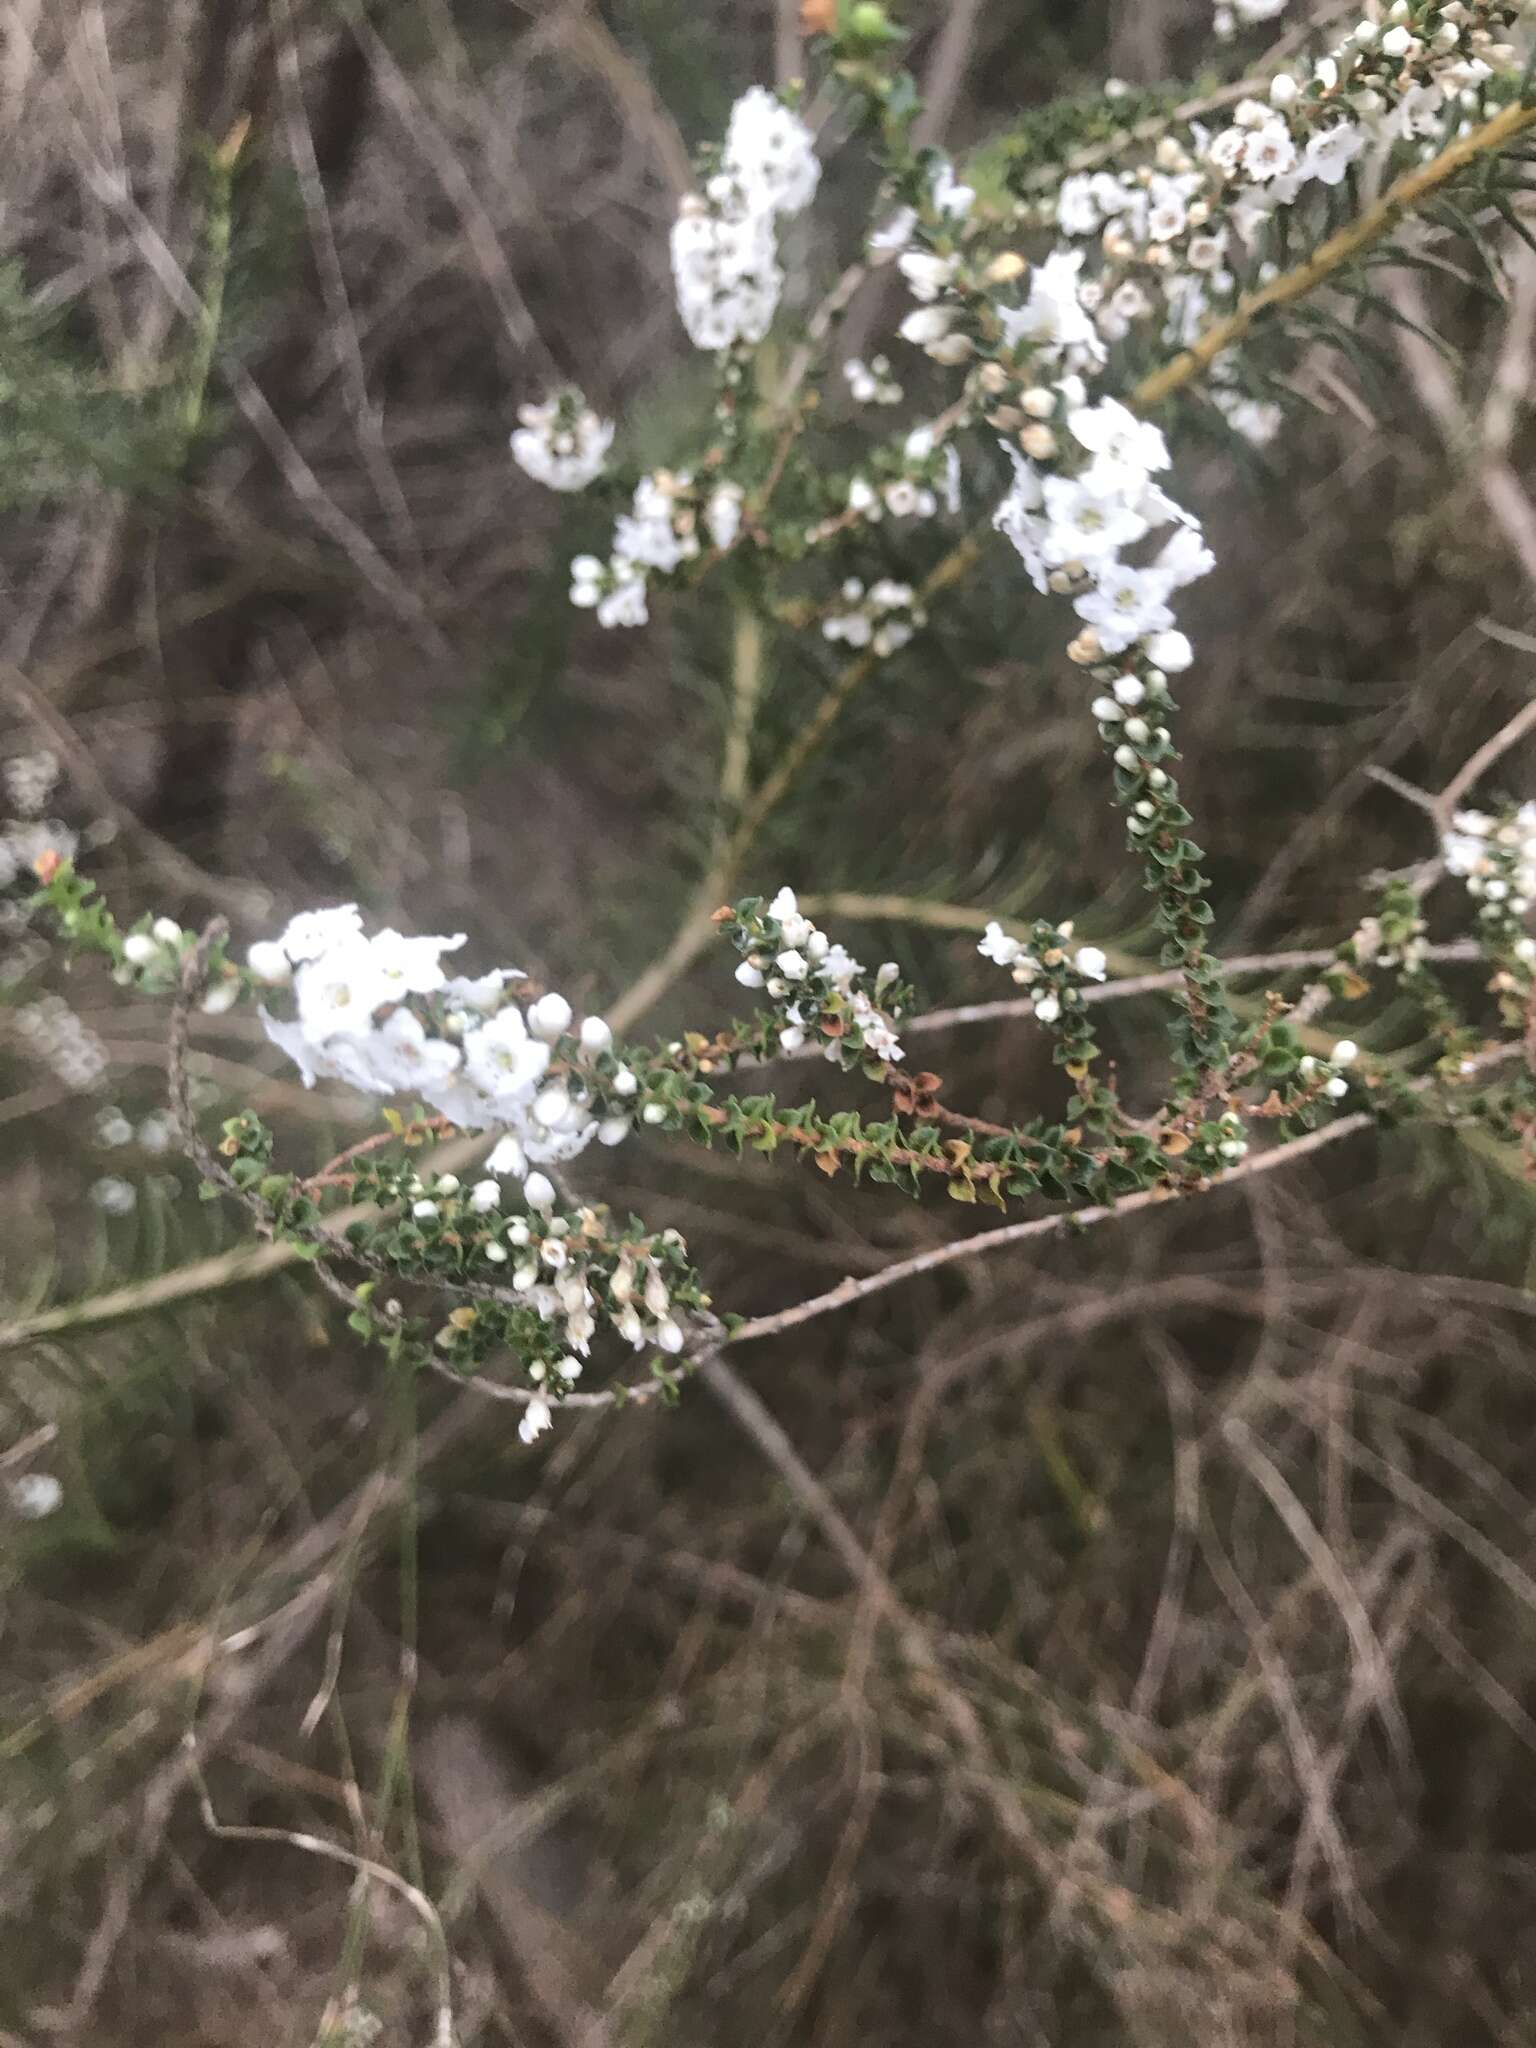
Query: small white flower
{"points": [[35, 1495], [1048, 1009], [539, 1192], [424, 1210], [269, 963], [549, 1017], [1092, 963], [140, 950], [485, 1195], [997, 945], [537, 1417], [793, 966], [1345, 1053]]}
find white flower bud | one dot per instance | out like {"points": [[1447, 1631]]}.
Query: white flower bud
{"points": [[613, 1130], [1105, 710], [269, 963], [596, 1036], [1048, 1009], [654, 1113], [1130, 690], [548, 1017], [669, 1336], [1138, 731], [624, 1082], [484, 1195], [425, 1210], [539, 1191], [167, 931], [792, 965], [749, 976], [1092, 963], [1345, 1053], [1336, 1088], [139, 949]]}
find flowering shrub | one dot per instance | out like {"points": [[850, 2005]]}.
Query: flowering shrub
{"points": [[1060, 305]]}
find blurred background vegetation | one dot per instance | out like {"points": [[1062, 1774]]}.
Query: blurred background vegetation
{"points": [[1199, 1703]]}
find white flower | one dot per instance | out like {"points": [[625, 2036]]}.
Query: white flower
{"points": [[1047, 1009], [927, 275], [537, 1417], [562, 443], [1331, 151], [424, 1209], [1127, 605], [1077, 208], [1092, 963], [269, 963], [1269, 152], [140, 950], [539, 1191], [507, 1159], [403, 1056], [484, 1196], [1170, 651], [549, 1017], [1344, 1053], [596, 1036], [411, 966], [1053, 319], [793, 966], [997, 945], [928, 325], [886, 241], [1130, 449], [501, 1059], [1184, 559], [749, 976], [35, 1495], [339, 992], [1086, 525]]}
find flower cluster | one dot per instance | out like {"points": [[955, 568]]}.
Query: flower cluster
{"points": [[534, 1275], [872, 383], [725, 244], [658, 534], [562, 443], [1088, 494], [821, 995], [548, 1276], [1044, 963], [883, 618], [1172, 231], [383, 1014], [1496, 857]]}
